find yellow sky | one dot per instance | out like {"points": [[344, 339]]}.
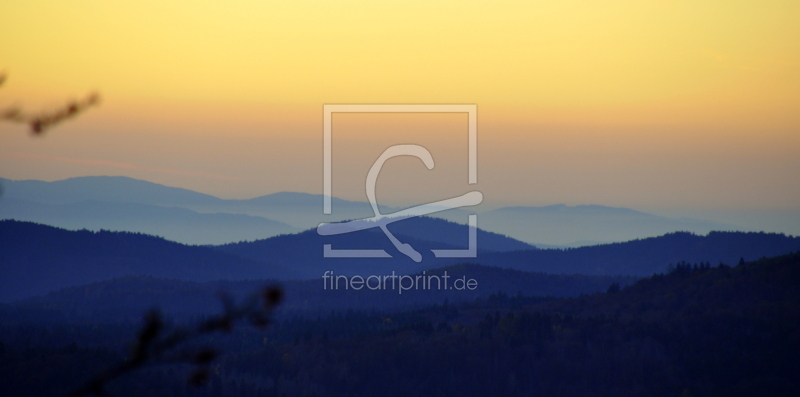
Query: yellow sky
{"points": [[595, 89]]}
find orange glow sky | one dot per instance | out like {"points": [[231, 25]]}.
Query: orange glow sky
{"points": [[643, 104]]}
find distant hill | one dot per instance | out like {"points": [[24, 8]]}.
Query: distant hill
{"points": [[645, 257], [561, 225], [305, 250], [556, 225], [634, 258], [126, 298], [114, 189], [173, 223], [37, 259], [300, 210]]}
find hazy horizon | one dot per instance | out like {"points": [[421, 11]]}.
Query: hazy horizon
{"points": [[776, 221]]}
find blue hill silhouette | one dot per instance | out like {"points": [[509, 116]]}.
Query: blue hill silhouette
{"points": [[38, 258]]}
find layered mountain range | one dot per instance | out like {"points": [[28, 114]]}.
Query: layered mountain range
{"points": [[126, 204]]}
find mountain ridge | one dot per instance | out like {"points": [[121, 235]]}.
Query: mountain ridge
{"points": [[39, 258], [554, 225], [173, 223]]}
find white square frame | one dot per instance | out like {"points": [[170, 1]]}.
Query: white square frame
{"points": [[330, 109]]}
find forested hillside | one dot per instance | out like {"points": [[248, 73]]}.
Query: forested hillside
{"points": [[700, 330]]}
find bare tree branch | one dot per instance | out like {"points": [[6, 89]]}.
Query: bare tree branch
{"points": [[40, 122], [153, 344]]}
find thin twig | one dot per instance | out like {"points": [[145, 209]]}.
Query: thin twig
{"points": [[152, 345], [39, 123]]}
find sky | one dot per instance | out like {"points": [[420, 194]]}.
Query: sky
{"points": [[654, 105]]}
